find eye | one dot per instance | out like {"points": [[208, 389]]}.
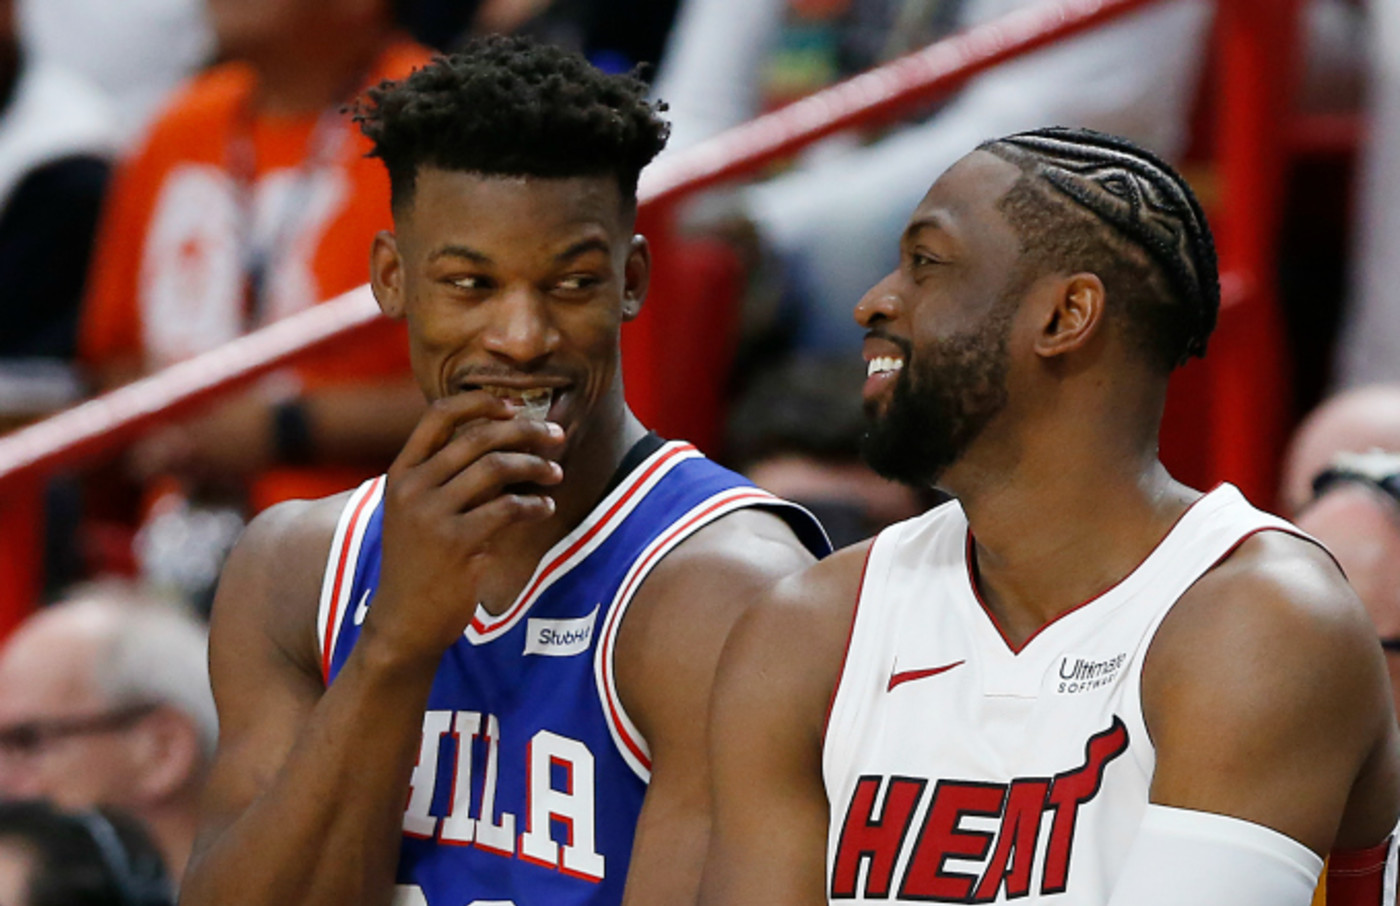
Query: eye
{"points": [[577, 283], [471, 283]]}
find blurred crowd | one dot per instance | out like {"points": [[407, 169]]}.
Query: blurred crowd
{"points": [[177, 173]]}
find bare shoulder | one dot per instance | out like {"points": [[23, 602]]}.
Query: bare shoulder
{"points": [[815, 603], [270, 587], [754, 543], [1278, 597], [1295, 570], [674, 629], [702, 585], [290, 533], [830, 584], [749, 557], [264, 662], [1264, 679], [788, 649]]}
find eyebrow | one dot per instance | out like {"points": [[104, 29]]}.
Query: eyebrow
{"points": [[460, 251], [592, 244], [470, 254], [931, 222]]}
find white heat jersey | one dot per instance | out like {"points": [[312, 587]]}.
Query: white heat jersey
{"points": [[962, 770]]}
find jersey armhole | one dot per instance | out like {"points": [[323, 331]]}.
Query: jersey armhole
{"points": [[339, 578], [1145, 755], [850, 635], [628, 739]]}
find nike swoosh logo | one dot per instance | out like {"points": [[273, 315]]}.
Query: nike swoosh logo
{"points": [[363, 608], [909, 675]]}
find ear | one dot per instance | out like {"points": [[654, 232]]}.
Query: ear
{"points": [[168, 753], [386, 273], [636, 278], [1076, 312]]}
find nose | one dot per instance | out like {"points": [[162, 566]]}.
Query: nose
{"points": [[880, 303], [521, 328]]}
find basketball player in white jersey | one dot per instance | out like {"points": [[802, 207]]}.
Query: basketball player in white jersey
{"points": [[1081, 682]]}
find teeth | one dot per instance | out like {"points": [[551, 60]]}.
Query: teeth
{"points": [[533, 403], [883, 364]]}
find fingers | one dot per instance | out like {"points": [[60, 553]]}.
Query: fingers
{"points": [[485, 521], [489, 476], [464, 475], [469, 449], [442, 420], [485, 436]]}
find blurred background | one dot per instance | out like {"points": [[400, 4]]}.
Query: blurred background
{"points": [[186, 212]]}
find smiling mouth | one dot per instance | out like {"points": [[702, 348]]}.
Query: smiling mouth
{"points": [[883, 364]]}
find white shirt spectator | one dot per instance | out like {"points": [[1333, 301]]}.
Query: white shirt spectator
{"points": [[136, 51], [54, 114], [1370, 340]]}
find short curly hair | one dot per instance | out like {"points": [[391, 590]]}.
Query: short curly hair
{"points": [[508, 106]]}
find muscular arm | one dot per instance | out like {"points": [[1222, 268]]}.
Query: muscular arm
{"points": [[1266, 698], [668, 649], [768, 844], [305, 800], [302, 779]]}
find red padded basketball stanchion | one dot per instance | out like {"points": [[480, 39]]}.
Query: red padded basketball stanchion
{"points": [[1249, 388]]}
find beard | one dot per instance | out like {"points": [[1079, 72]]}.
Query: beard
{"points": [[942, 400]]}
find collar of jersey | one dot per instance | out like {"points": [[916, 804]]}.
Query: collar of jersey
{"points": [[1124, 589], [585, 538]]}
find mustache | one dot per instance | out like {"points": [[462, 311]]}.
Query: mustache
{"points": [[487, 374], [879, 333]]}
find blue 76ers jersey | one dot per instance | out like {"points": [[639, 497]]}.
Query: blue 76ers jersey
{"points": [[530, 774]]}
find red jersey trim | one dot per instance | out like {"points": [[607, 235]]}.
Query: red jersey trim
{"points": [[850, 634], [1297, 533], [344, 557], [584, 539], [996, 624], [628, 738]]}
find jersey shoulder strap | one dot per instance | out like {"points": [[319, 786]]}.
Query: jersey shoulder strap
{"points": [[338, 581]]}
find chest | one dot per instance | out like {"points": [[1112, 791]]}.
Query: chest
{"points": [[522, 785], [1012, 773]]}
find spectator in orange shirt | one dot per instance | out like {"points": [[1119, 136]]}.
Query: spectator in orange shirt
{"points": [[250, 200]]}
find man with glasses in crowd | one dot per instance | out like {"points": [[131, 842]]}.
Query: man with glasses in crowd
{"points": [[1341, 484], [104, 700]]}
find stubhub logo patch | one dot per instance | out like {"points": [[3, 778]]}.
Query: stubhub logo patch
{"points": [[560, 638]]}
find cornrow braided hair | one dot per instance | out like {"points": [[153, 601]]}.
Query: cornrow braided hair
{"points": [[508, 106], [1147, 236]]}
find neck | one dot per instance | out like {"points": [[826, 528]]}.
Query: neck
{"points": [[1070, 518], [295, 83], [590, 463]]}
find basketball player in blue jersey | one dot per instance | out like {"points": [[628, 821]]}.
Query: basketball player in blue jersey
{"points": [[484, 678], [1080, 683]]}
